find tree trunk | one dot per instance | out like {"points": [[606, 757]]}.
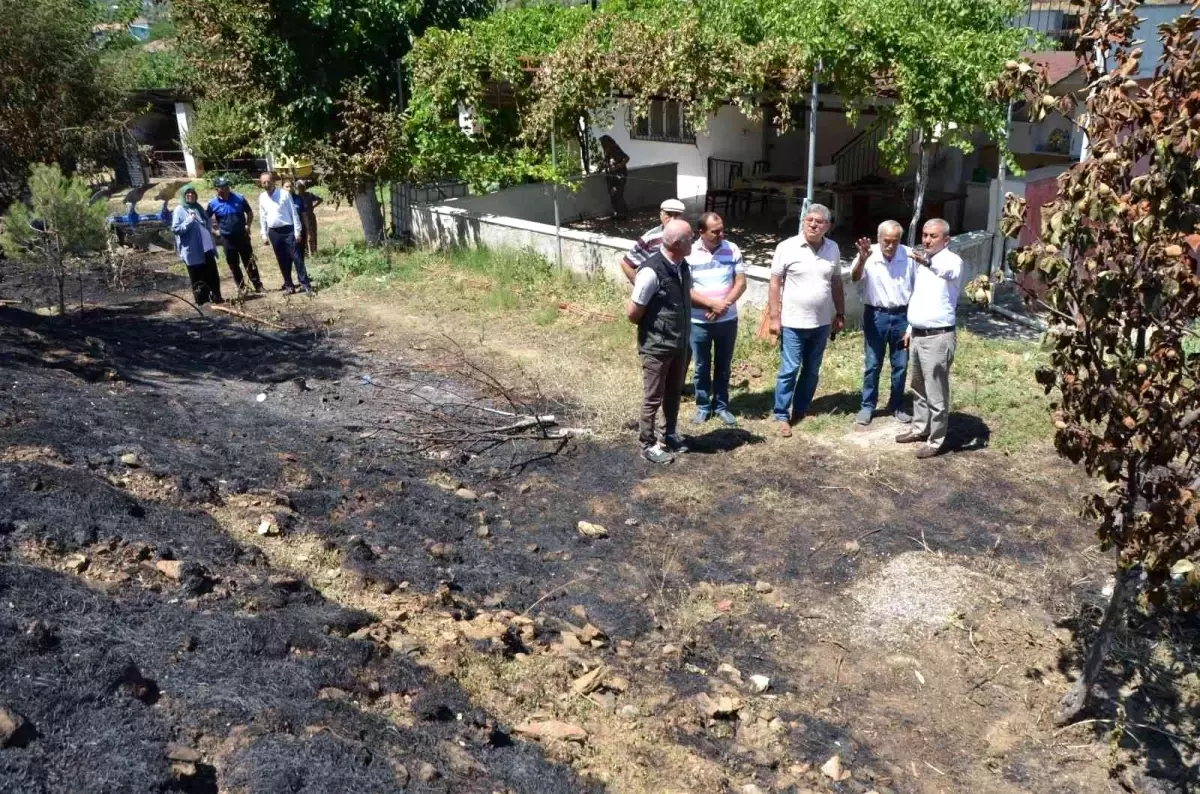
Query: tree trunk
{"points": [[1079, 696], [370, 213], [919, 189]]}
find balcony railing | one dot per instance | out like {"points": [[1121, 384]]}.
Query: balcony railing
{"points": [[1055, 19]]}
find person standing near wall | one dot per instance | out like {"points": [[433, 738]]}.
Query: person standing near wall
{"points": [[884, 274], [661, 307], [806, 304], [931, 338], [279, 223], [648, 244], [615, 165], [718, 280]]}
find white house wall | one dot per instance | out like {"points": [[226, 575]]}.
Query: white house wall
{"points": [[730, 136]]}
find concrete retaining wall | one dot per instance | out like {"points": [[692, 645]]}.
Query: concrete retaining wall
{"points": [[592, 255], [647, 186]]}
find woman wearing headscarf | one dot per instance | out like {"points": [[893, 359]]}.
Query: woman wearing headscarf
{"points": [[196, 248]]}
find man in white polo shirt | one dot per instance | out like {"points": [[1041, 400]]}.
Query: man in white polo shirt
{"points": [[931, 338], [805, 304], [648, 244], [718, 280], [884, 274]]}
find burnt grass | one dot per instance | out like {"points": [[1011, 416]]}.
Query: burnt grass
{"points": [[233, 657]]}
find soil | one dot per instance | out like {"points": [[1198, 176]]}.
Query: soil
{"points": [[225, 567]]}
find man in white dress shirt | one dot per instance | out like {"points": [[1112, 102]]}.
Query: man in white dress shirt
{"points": [[280, 225], [884, 275], [931, 338]]}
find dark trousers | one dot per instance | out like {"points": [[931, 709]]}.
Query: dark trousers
{"points": [[238, 251], [712, 350], [206, 281], [883, 333], [662, 383], [287, 253], [616, 193]]}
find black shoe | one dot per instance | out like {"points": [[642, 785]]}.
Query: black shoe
{"points": [[927, 451], [308, 290], [909, 437], [674, 442], [288, 289]]}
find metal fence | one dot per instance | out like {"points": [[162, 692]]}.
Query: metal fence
{"points": [[406, 195]]}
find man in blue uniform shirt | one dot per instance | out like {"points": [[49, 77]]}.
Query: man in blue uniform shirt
{"points": [[231, 216]]}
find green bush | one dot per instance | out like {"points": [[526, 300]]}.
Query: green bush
{"points": [[335, 265]]}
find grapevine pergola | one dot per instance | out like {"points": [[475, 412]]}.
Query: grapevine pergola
{"points": [[928, 69]]}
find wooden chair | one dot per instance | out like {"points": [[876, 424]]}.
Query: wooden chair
{"points": [[722, 191], [763, 196]]}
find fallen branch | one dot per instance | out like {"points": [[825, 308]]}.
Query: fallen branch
{"points": [[247, 316], [583, 311]]}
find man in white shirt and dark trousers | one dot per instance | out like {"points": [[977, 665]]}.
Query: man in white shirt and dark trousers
{"points": [[805, 304], [884, 274], [280, 224], [931, 338], [661, 307]]}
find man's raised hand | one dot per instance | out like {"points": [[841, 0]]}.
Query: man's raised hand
{"points": [[864, 247]]}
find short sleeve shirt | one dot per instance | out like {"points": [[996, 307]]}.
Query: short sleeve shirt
{"points": [[230, 213], [644, 248], [713, 274], [807, 281]]}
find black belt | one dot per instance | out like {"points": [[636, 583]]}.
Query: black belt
{"points": [[932, 331], [886, 310]]}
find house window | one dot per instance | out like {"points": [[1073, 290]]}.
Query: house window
{"points": [[664, 122]]}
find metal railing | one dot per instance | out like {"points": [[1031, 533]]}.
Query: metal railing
{"points": [[859, 158], [1055, 19]]}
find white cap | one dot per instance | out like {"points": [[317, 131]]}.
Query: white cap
{"points": [[672, 205]]}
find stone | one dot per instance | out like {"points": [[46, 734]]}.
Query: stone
{"points": [[172, 569], [725, 668], [851, 547], [444, 551], [616, 683], [588, 682], [524, 488], [399, 772], [77, 563], [750, 788], [763, 587], [178, 752], [580, 612], [629, 711], [332, 693], [131, 459], [590, 633], [552, 729], [482, 531], [11, 724], [759, 684], [459, 760], [723, 706], [532, 548], [571, 642], [632, 522], [427, 772], [833, 770], [669, 649], [269, 526], [590, 530], [466, 494], [492, 496]]}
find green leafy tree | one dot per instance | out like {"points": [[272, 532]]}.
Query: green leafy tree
{"points": [[297, 66], [57, 228], [1124, 294], [525, 71], [57, 102]]}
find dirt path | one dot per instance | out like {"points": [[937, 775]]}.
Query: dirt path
{"points": [[344, 617]]}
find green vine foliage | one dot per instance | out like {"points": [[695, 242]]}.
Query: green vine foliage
{"points": [[525, 71]]}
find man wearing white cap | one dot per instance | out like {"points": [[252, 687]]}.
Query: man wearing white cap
{"points": [[648, 244]]}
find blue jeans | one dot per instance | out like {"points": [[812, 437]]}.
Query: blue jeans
{"points": [[883, 333], [803, 351], [712, 368]]}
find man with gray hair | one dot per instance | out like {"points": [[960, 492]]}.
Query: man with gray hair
{"points": [[805, 304], [931, 337], [661, 307], [884, 275]]}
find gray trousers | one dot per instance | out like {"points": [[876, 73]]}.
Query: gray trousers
{"points": [[929, 361], [662, 383]]}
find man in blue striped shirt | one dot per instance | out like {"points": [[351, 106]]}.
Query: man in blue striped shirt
{"points": [[718, 280]]}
